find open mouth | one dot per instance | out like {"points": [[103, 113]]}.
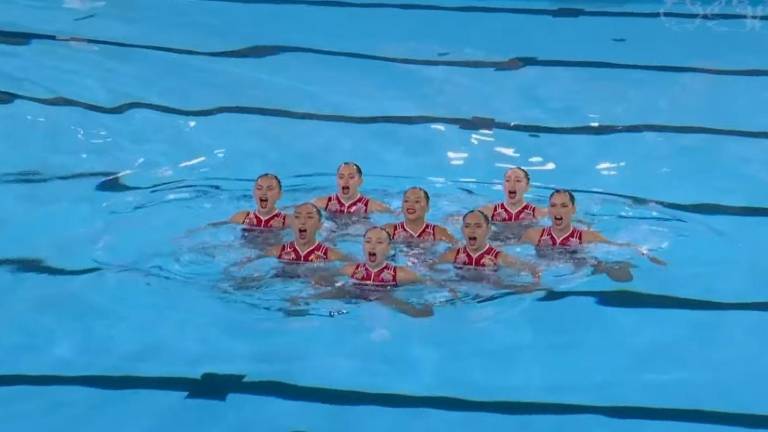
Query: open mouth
{"points": [[372, 257], [472, 240], [410, 211], [512, 194], [345, 190], [558, 220], [263, 202], [303, 233]]}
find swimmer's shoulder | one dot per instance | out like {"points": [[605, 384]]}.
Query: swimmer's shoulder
{"points": [[488, 209], [540, 212], [239, 217], [448, 255], [390, 228], [321, 202], [274, 250], [348, 269]]}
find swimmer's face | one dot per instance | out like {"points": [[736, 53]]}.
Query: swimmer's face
{"points": [[348, 181], [266, 192], [415, 205], [515, 186], [376, 247], [475, 231], [306, 223], [561, 210]]}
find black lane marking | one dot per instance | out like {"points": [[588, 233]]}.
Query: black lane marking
{"points": [[25, 177], [217, 387], [38, 266], [472, 123], [263, 51], [554, 13]]}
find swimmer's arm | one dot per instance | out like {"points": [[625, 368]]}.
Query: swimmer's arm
{"points": [[378, 206], [488, 210], [272, 251], [510, 261], [596, 237], [288, 221], [336, 255], [347, 269], [406, 308], [446, 257], [237, 218], [442, 234], [407, 276], [531, 235]]}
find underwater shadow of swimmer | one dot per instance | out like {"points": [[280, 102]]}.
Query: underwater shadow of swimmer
{"points": [[38, 266], [638, 300]]}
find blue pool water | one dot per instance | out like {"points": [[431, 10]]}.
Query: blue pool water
{"points": [[129, 126]]}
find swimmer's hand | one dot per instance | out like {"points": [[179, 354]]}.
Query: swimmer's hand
{"points": [[653, 259]]}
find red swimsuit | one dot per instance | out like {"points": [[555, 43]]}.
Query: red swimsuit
{"points": [[274, 221], [572, 239], [289, 252], [386, 276], [335, 204], [401, 232], [487, 258], [502, 213]]}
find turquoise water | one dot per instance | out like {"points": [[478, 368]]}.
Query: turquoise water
{"points": [[122, 144]]}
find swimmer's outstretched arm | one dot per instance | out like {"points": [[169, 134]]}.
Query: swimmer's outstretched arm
{"points": [[406, 308], [510, 261], [596, 237], [531, 235], [446, 257], [336, 255], [488, 210], [379, 207], [442, 234]]}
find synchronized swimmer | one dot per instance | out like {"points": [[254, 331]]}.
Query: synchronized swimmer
{"points": [[375, 272]]}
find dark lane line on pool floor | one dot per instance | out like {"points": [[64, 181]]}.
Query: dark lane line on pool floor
{"points": [[217, 387], [554, 13], [264, 51], [472, 123]]}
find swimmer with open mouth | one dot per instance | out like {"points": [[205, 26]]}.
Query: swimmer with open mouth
{"points": [[304, 248], [514, 208], [267, 190], [348, 199], [561, 234], [477, 253]]}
